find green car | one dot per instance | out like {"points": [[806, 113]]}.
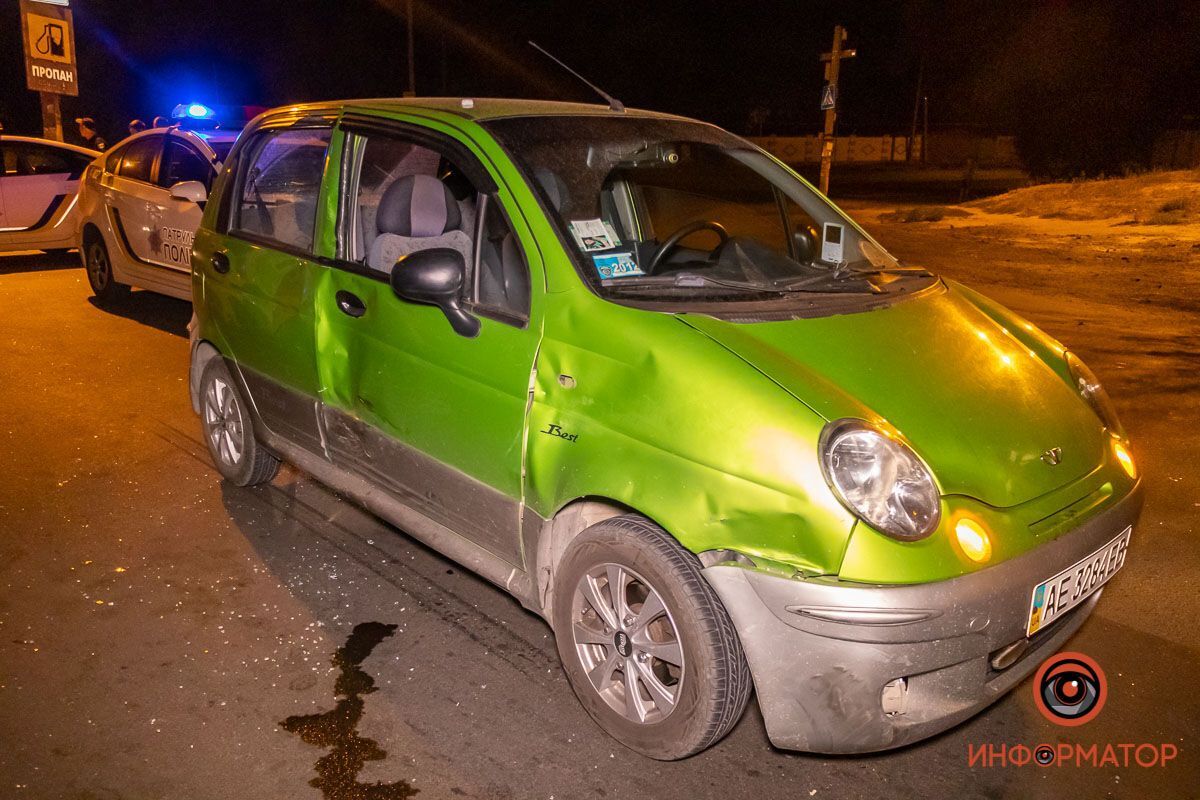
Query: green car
{"points": [[639, 374]]}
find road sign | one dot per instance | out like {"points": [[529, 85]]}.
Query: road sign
{"points": [[49, 38], [829, 97]]}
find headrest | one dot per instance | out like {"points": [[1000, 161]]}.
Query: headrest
{"points": [[419, 206]]}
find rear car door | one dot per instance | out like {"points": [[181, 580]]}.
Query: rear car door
{"points": [[38, 179], [255, 273], [134, 200], [435, 418]]}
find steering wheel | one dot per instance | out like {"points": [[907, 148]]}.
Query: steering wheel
{"points": [[687, 230]]}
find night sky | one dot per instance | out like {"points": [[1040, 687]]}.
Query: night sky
{"points": [[1112, 71]]}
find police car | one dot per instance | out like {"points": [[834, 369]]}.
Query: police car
{"points": [[140, 205], [38, 185]]}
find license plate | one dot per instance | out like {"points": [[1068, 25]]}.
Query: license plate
{"points": [[1054, 597]]}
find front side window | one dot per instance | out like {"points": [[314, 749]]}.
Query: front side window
{"points": [[137, 159], [182, 162], [404, 196], [278, 184], [667, 209]]}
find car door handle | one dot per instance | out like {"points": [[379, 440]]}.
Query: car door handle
{"points": [[220, 262], [349, 304]]}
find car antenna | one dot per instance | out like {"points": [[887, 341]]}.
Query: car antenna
{"points": [[613, 103]]}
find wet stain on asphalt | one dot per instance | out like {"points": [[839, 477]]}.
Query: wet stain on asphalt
{"points": [[337, 729]]}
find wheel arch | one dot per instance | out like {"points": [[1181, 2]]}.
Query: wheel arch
{"points": [[202, 353], [89, 232], [556, 534]]}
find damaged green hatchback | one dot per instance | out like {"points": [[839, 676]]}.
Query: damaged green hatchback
{"points": [[639, 374]]}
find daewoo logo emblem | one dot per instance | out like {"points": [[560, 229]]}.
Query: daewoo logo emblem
{"points": [[1052, 456]]}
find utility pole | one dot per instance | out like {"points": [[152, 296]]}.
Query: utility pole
{"points": [[912, 136], [412, 65], [925, 131], [829, 97], [51, 116]]}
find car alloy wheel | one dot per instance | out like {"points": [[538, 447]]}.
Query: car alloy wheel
{"points": [[223, 421], [98, 267], [627, 643]]}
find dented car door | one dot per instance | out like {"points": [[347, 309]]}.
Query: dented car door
{"points": [[434, 417]]}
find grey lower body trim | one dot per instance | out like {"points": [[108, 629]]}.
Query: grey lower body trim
{"points": [[380, 502], [820, 678], [290, 424], [438, 490], [281, 412]]}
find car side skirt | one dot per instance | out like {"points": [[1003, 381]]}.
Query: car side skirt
{"points": [[382, 499]]}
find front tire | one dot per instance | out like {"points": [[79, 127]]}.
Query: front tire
{"points": [[229, 431], [656, 663], [98, 265]]}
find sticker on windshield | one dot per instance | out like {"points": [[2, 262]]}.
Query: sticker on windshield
{"points": [[594, 234], [616, 265]]}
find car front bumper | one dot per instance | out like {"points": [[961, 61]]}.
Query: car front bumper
{"points": [[851, 668]]}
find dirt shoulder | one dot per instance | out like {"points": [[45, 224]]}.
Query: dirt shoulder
{"points": [[1154, 198], [1100, 259]]}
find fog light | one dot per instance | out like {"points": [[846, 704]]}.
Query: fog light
{"points": [[895, 697], [1122, 454], [973, 540]]}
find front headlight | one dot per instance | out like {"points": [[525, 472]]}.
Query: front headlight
{"points": [[880, 479], [1089, 388]]}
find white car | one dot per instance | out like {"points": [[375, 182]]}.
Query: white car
{"points": [[38, 201], [140, 205]]}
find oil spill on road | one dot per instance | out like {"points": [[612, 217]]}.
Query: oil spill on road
{"points": [[337, 729]]}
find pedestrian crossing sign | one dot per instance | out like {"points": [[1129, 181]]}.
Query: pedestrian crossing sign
{"points": [[828, 97]]}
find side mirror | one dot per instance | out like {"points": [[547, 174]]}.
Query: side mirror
{"points": [[189, 190], [435, 277]]}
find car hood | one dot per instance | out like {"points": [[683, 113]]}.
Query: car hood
{"points": [[973, 401]]}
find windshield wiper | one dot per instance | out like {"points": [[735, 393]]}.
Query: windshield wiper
{"points": [[686, 281], [691, 280], [916, 272]]}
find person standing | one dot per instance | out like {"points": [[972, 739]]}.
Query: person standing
{"points": [[136, 126], [88, 135]]}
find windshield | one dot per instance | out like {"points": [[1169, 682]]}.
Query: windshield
{"points": [[671, 208]]}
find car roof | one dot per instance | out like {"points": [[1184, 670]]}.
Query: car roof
{"points": [[198, 136], [51, 142], [476, 109], [221, 135]]}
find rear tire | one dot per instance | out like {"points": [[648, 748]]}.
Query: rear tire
{"points": [[229, 431], [98, 265], [666, 628]]}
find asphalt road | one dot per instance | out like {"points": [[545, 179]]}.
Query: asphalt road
{"points": [[163, 635]]}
